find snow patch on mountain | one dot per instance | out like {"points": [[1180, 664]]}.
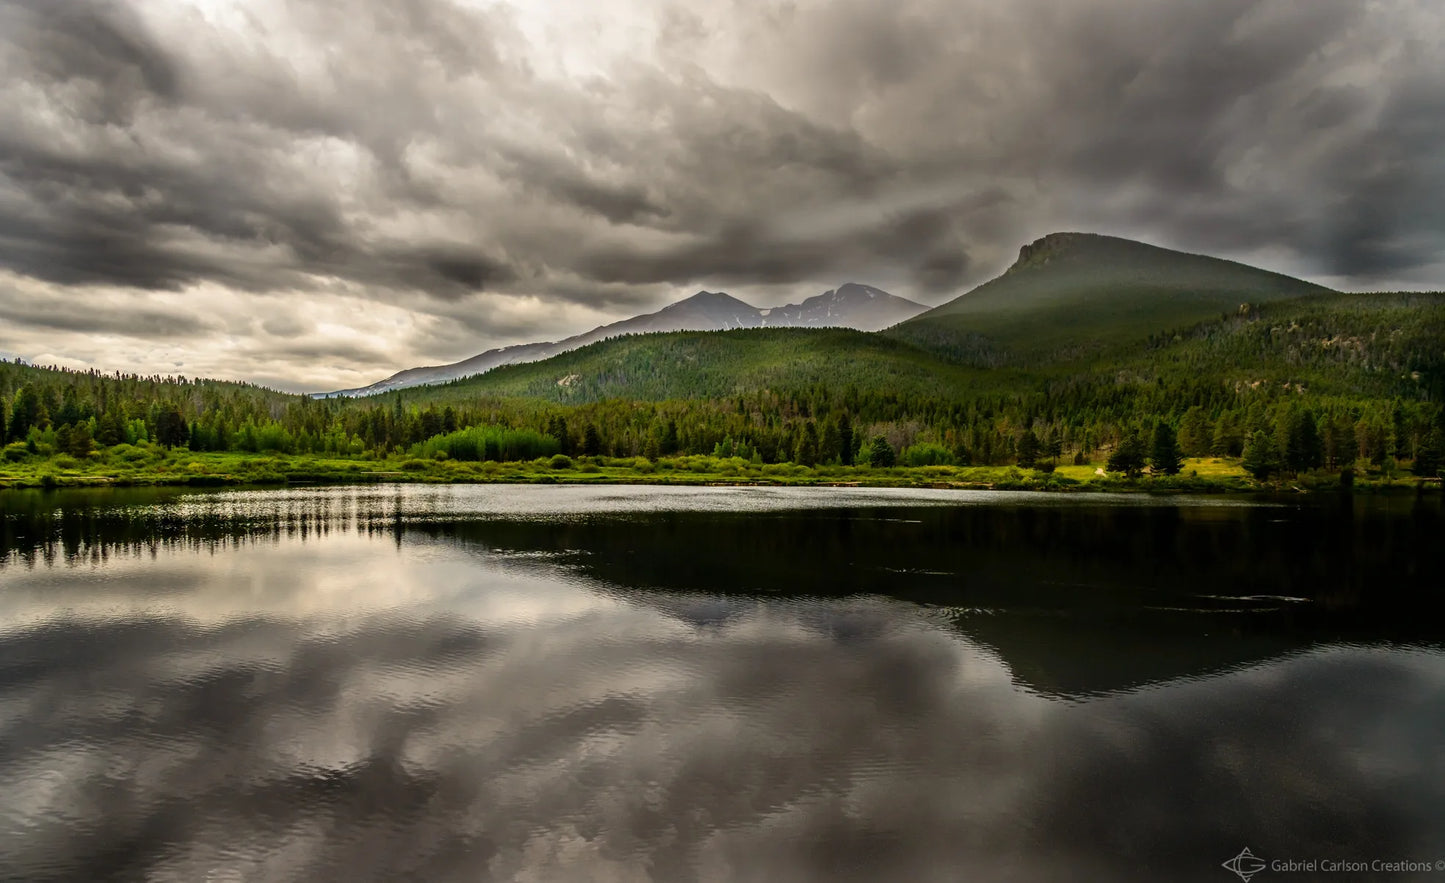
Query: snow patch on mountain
{"points": [[850, 305]]}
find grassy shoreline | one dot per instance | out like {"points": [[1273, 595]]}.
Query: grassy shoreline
{"points": [[179, 467]]}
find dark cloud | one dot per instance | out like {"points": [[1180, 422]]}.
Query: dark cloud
{"points": [[344, 352], [433, 147], [102, 45], [134, 320], [145, 323]]}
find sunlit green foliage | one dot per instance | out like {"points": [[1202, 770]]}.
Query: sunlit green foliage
{"points": [[491, 443]]}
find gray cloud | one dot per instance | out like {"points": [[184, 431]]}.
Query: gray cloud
{"points": [[440, 155], [143, 321]]}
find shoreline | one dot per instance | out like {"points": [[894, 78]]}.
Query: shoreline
{"points": [[182, 469]]}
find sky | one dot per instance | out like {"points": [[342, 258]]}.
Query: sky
{"points": [[313, 194]]}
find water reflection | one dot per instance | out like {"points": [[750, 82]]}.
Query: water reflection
{"points": [[453, 684]]}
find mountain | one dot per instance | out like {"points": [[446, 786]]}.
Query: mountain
{"points": [[713, 365], [1073, 294], [851, 305], [1075, 312]]}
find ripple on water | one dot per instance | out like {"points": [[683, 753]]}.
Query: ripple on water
{"points": [[577, 683]]}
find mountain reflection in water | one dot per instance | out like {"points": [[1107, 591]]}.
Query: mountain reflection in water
{"points": [[670, 684]]}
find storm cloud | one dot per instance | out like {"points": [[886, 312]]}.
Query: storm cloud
{"points": [[500, 173]]}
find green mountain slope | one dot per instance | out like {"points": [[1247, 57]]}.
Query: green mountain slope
{"points": [[1373, 345], [1376, 345], [1071, 295], [717, 364], [1071, 301]]}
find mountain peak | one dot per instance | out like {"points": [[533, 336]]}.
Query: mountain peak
{"points": [[707, 296], [1049, 248], [1077, 292], [859, 290], [850, 305]]}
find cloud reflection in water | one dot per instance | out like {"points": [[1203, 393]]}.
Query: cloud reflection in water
{"points": [[344, 707]]}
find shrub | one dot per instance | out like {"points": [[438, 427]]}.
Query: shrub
{"points": [[926, 454], [414, 466], [636, 463], [130, 453], [16, 451], [561, 461], [65, 461], [492, 443]]}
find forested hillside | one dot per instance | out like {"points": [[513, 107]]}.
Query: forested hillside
{"points": [[1073, 295], [1329, 381], [1281, 382], [695, 364]]}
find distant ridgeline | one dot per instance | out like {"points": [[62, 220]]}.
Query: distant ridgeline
{"points": [[1089, 348]]}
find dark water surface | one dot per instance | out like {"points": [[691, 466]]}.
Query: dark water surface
{"points": [[554, 683]]}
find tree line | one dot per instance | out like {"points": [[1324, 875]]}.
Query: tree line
{"points": [[1276, 429]]}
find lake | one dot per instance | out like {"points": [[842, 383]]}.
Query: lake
{"points": [[617, 683]]}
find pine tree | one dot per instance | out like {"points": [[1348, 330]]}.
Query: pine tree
{"points": [[1054, 445], [1028, 452], [830, 444], [880, 455], [1372, 439], [846, 443], [805, 451], [25, 412], [1429, 455], [77, 440], [1303, 449], [1128, 457], [1228, 437], [1261, 458], [172, 430], [1339, 441], [1195, 433], [1164, 455], [591, 441], [557, 428], [69, 412]]}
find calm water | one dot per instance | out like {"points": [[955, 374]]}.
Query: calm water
{"points": [[514, 683]]}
